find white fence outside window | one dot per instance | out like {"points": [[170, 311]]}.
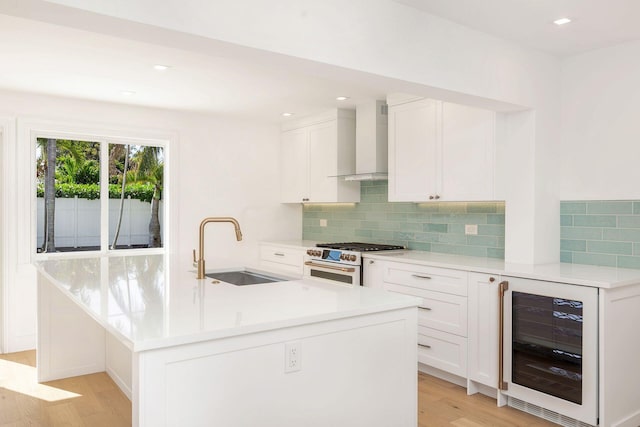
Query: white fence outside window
{"points": [[77, 222]]}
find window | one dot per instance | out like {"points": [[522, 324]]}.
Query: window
{"points": [[98, 195]]}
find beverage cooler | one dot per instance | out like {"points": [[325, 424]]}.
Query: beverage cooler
{"points": [[549, 337]]}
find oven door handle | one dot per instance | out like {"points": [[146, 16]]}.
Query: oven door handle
{"points": [[330, 267], [502, 385]]}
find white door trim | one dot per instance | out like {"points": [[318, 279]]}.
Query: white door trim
{"points": [[7, 136]]}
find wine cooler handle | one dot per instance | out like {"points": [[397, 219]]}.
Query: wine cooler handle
{"points": [[502, 385]]}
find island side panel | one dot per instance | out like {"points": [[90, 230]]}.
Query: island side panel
{"points": [[358, 371], [619, 350], [70, 342], [118, 364]]}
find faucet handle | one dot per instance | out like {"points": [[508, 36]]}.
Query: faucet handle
{"points": [[195, 261]]}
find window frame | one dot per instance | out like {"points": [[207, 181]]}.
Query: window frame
{"points": [[104, 138]]}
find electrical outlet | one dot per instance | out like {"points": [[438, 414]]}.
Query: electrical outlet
{"points": [[471, 229], [292, 356], [323, 223]]}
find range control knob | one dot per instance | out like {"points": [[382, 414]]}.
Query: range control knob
{"points": [[352, 258], [309, 252]]}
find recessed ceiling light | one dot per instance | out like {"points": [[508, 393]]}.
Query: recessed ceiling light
{"points": [[342, 98], [160, 67], [128, 93], [287, 114], [562, 21]]}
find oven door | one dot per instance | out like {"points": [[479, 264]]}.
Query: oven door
{"points": [[331, 272], [550, 346]]}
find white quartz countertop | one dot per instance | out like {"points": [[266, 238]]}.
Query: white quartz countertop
{"points": [[578, 274], [152, 301]]}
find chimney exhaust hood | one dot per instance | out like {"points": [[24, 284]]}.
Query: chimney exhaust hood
{"points": [[371, 142]]}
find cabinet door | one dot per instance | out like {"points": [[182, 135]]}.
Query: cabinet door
{"points": [[323, 162], [468, 141], [273, 257], [483, 315], [373, 273], [413, 137], [447, 352], [294, 168]]}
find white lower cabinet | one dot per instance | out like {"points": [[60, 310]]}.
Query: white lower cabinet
{"points": [[459, 334], [442, 314], [429, 278], [372, 275], [283, 258], [484, 324], [442, 350], [441, 311]]}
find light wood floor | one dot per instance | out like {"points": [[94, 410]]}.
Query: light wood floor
{"points": [[441, 403], [89, 400], [95, 401]]}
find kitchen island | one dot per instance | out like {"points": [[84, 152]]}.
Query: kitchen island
{"points": [[198, 353]]}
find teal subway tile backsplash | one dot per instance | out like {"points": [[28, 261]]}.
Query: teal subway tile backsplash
{"points": [[614, 207], [605, 247], [573, 245], [603, 233], [594, 259], [594, 220], [434, 227], [570, 208]]}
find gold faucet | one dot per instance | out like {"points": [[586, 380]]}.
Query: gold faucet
{"points": [[200, 261]]}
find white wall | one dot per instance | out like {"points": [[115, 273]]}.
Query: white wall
{"points": [[219, 166], [600, 149], [2, 239], [432, 56]]}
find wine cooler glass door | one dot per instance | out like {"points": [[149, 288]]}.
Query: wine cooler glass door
{"points": [[550, 345]]}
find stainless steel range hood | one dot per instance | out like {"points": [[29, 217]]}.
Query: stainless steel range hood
{"points": [[371, 142]]}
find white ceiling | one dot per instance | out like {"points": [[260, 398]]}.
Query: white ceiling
{"points": [[45, 58], [50, 59], [595, 23]]}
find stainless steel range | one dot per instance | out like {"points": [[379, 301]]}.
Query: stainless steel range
{"points": [[340, 263]]}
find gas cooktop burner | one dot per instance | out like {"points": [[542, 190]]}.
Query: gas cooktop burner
{"points": [[359, 247]]}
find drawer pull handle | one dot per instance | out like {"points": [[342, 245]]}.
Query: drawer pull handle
{"points": [[417, 276], [278, 254], [424, 345], [424, 308]]}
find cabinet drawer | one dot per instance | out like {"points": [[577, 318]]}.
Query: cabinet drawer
{"points": [[282, 258], [444, 312], [443, 351], [428, 278]]}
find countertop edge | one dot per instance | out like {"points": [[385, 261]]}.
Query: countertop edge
{"points": [[576, 274], [397, 303], [292, 244], [265, 327]]}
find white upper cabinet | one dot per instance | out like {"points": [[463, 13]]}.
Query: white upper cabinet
{"points": [[468, 152], [413, 140], [294, 174], [440, 151], [315, 152]]}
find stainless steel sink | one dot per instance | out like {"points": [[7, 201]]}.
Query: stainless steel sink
{"points": [[243, 277]]}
